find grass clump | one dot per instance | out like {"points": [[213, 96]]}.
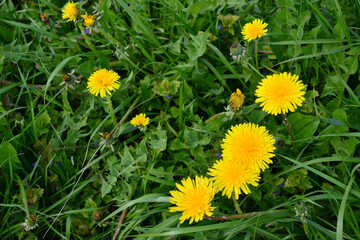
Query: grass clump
{"points": [[116, 114]]}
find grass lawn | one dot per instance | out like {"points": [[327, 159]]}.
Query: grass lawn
{"points": [[168, 119]]}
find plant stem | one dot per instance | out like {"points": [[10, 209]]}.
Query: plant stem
{"points": [[85, 36], [214, 117], [256, 53], [236, 204], [111, 109], [110, 37], [292, 136], [243, 215], [252, 67], [132, 106], [121, 221]]}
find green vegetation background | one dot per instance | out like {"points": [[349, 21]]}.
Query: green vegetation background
{"points": [[50, 163]]}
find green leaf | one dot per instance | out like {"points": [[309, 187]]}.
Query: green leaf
{"points": [[332, 86], [194, 138], [166, 88], [106, 187], [177, 144], [33, 195], [158, 140], [298, 179], [127, 161], [197, 46], [8, 157], [350, 65], [256, 116], [89, 203], [303, 126], [67, 106], [141, 149], [348, 146], [197, 7]]}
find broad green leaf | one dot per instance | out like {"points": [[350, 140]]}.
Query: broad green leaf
{"points": [[106, 187], [158, 140], [197, 7], [67, 106], [298, 179], [304, 126], [350, 65], [8, 157], [197, 46], [166, 88]]}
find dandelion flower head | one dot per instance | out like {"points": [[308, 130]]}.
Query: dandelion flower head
{"points": [[280, 93], [193, 198], [233, 177], [254, 30], [140, 120], [88, 20], [250, 145], [70, 11], [103, 81], [237, 100]]}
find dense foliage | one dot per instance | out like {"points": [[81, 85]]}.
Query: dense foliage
{"points": [[73, 166]]}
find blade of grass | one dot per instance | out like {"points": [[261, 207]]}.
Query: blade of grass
{"points": [[341, 20], [143, 26], [27, 26], [320, 174], [23, 195], [228, 65], [340, 220], [153, 197], [335, 50], [217, 74]]}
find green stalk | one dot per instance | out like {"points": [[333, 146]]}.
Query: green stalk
{"points": [[288, 126], [236, 204], [85, 36], [110, 37], [256, 53], [243, 215], [111, 109], [255, 70], [132, 106], [214, 117]]}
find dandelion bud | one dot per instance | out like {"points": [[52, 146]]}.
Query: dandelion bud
{"points": [[237, 51], [237, 100]]}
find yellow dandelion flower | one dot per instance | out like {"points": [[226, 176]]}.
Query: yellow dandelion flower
{"points": [[233, 177], [193, 198], [140, 120], [280, 93], [103, 81], [250, 145], [237, 100], [70, 11], [88, 20], [254, 30]]}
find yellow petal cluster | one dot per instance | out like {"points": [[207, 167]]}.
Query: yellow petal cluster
{"points": [[237, 100], [103, 81], [70, 11], [250, 145], [254, 30], [88, 20], [233, 177], [193, 198], [140, 120], [280, 93]]}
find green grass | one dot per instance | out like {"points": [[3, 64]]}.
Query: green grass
{"points": [[52, 160]]}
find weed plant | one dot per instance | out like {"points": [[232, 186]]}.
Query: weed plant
{"points": [[74, 165]]}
